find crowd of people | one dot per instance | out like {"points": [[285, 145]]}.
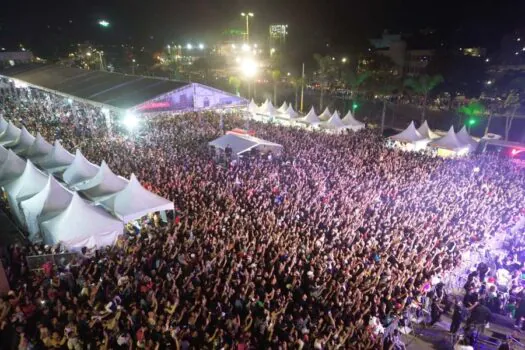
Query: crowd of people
{"points": [[319, 248]]}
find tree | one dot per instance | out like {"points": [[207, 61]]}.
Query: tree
{"points": [[276, 77], [422, 86], [354, 81], [511, 104], [326, 72], [472, 111], [297, 83], [384, 85], [235, 83]]}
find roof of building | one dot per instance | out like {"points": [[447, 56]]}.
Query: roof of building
{"points": [[112, 89]]}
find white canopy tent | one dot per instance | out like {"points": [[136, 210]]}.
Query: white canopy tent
{"points": [[38, 149], [102, 185], [3, 154], [450, 142], [326, 114], [44, 205], [93, 227], [24, 141], [335, 123], [410, 134], [268, 109], [283, 108], [24, 187], [311, 118], [426, 132], [291, 113], [252, 107], [134, 201], [12, 167], [57, 160], [80, 170], [464, 137], [3, 125], [244, 143], [10, 135], [353, 123]]}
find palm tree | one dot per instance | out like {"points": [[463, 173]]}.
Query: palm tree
{"points": [[355, 81], [297, 83], [276, 77], [325, 73], [422, 86], [511, 104], [235, 83]]}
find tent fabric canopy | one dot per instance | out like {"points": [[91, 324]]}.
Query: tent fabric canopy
{"points": [[25, 186], [268, 109], [93, 227], [311, 117], [10, 135], [134, 201], [335, 122], [252, 107], [243, 143], [291, 113], [464, 137], [449, 141], [3, 125], [80, 170], [38, 149], [352, 122], [284, 107], [24, 141], [103, 184], [426, 132], [410, 134], [12, 167], [326, 114], [56, 160], [44, 205]]}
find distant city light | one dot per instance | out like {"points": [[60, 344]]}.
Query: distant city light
{"points": [[189, 46], [516, 53], [201, 46], [489, 82], [487, 60], [103, 23], [343, 59], [88, 54], [519, 39]]}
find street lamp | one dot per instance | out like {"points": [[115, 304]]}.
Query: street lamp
{"points": [[272, 51], [103, 23], [189, 46], [247, 15], [201, 46], [343, 59], [100, 53]]}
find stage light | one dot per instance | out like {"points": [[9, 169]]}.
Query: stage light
{"points": [[131, 121], [201, 46], [189, 46], [103, 23], [249, 68]]}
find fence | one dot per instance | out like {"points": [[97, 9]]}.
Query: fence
{"points": [[35, 262]]}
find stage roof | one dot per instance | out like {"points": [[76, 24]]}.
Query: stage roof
{"points": [[113, 89]]}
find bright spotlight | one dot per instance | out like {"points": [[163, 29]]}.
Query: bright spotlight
{"points": [[189, 46], [131, 121], [249, 68], [70, 101], [201, 46], [103, 23], [245, 47]]}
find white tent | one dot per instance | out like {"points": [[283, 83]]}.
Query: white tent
{"points": [[80, 170], [449, 142], [12, 167], [24, 187], [3, 125], [10, 135], [3, 154], [326, 114], [268, 109], [335, 122], [24, 141], [464, 137], [252, 107], [311, 117], [291, 113], [410, 134], [44, 205], [426, 132], [135, 201], [38, 149], [56, 160], [283, 108], [353, 123], [82, 225], [243, 143], [103, 184]]}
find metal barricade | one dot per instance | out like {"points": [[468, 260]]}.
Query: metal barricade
{"points": [[35, 262]]}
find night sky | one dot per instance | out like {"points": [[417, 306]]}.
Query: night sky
{"points": [[345, 24]]}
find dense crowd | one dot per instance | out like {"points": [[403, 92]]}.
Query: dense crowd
{"points": [[319, 248]]}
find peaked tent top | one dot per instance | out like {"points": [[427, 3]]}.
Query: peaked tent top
{"points": [[335, 121], [464, 137], [426, 132], [80, 170], [291, 112], [3, 154], [103, 184], [39, 148], [28, 184], [12, 167], [56, 160], [311, 117], [3, 125], [283, 107], [449, 141], [326, 114], [134, 201], [252, 106], [93, 226], [10, 135], [350, 120], [410, 134], [52, 198], [24, 141]]}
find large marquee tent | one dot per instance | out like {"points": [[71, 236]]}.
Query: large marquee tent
{"points": [[121, 93], [242, 143], [80, 170]]}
